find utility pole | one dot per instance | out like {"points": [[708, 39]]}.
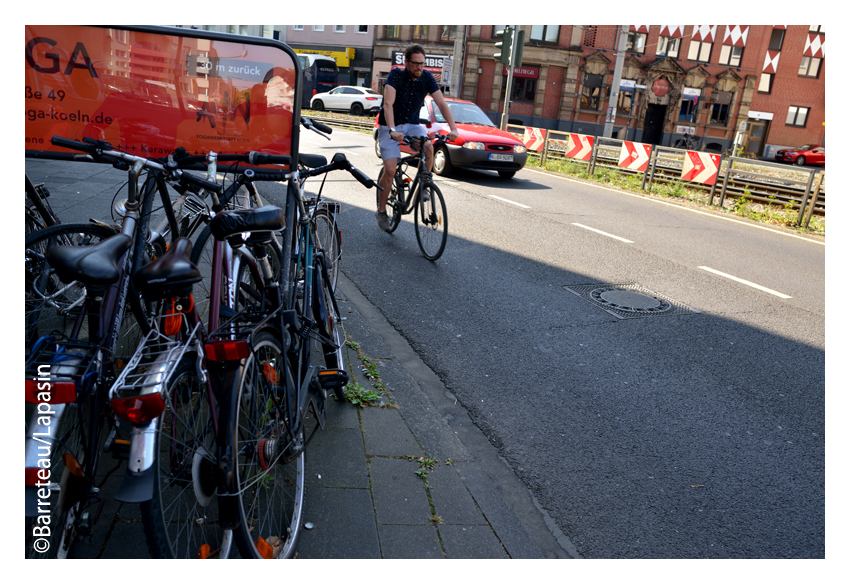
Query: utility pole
{"points": [[458, 61], [510, 85], [615, 87]]}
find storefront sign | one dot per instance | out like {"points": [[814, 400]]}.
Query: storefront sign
{"points": [[690, 93], [341, 58], [433, 63], [627, 84], [760, 115], [527, 72], [660, 87]]}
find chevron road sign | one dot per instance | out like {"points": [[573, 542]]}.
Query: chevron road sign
{"points": [[534, 139], [579, 146], [701, 167], [635, 156]]}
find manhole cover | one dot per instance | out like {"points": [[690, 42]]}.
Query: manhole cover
{"points": [[629, 300]]}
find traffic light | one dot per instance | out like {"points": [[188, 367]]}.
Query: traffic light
{"points": [[504, 46], [520, 40]]}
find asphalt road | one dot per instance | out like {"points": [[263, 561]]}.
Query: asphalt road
{"points": [[694, 435]]}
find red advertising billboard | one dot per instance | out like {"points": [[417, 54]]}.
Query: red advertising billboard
{"points": [[151, 90]]}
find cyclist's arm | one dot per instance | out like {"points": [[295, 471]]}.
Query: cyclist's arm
{"points": [[389, 116], [447, 114]]}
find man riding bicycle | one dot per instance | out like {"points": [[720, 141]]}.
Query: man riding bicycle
{"points": [[404, 96]]}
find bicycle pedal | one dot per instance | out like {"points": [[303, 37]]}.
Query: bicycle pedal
{"points": [[118, 447], [332, 378]]}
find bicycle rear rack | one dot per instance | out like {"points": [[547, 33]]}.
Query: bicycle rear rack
{"points": [[155, 359]]}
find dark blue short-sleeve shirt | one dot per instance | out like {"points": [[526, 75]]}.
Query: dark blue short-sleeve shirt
{"points": [[410, 95]]}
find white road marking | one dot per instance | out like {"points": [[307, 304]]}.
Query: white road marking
{"points": [[645, 198], [602, 233], [507, 201], [748, 283]]}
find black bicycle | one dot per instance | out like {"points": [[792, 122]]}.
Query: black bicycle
{"points": [[418, 194], [688, 142], [39, 213]]}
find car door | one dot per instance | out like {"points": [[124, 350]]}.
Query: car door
{"points": [[334, 99], [350, 95], [818, 156]]}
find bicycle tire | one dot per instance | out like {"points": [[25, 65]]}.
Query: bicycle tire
{"points": [[70, 439], [181, 521], [395, 200], [48, 300], [270, 493], [431, 223], [329, 242], [325, 313]]}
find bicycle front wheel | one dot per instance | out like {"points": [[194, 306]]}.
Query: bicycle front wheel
{"points": [[332, 337], [328, 241], [270, 488], [181, 521], [431, 222]]}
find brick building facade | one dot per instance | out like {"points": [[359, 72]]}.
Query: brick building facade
{"points": [[709, 79]]}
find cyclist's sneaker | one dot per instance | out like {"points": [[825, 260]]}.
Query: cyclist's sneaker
{"points": [[383, 220]]}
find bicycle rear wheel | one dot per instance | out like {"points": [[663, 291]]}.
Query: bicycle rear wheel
{"points": [[331, 341], [181, 521], [431, 222], [270, 488]]}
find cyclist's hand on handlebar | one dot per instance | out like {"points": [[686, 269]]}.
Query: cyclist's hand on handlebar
{"points": [[452, 136], [397, 136]]}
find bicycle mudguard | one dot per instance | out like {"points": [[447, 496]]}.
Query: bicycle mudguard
{"points": [[137, 487]]}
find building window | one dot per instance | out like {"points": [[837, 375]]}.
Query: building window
{"points": [[766, 83], [731, 56], [668, 46], [393, 32], [636, 42], [297, 27], [523, 88], [591, 91], [699, 51], [339, 28], [776, 38], [362, 28], [797, 116], [448, 32], [243, 29], [319, 27], [545, 33], [268, 31], [589, 37], [420, 32], [497, 28], [233, 29], [809, 67], [624, 101], [816, 28], [687, 109], [719, 113]]}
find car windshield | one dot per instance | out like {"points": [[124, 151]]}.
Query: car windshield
{"points": [[464, 113], [806, 147]]}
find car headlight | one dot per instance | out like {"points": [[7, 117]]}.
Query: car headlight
{"points": [[474, 145], [519, 149]]}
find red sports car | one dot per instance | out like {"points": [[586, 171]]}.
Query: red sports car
{"points": [[808, 154]]}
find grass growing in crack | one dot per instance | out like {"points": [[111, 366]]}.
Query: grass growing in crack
{"points": [[436, 519], [426, 465], [359, 396]]}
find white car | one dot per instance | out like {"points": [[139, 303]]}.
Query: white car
{"points": [[357, 100]]}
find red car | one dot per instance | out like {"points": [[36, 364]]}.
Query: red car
{"points": [[480, 144], [808, 154]]}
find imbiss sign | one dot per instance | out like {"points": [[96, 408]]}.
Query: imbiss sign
{"points": [[433, 63]]}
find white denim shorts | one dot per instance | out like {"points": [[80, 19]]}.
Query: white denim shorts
{"points": [[389, 147]]}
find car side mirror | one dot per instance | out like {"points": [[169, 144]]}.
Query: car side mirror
{"points": [[424, 122]]}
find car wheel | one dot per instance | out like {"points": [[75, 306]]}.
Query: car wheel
{"points": [[442, 162], [356, 109], [800, 160], [318, 105], [507, 173]]}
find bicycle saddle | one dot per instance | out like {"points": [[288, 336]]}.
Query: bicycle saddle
{"points": [[169, 276], [227, 223], [312, 160], [95, 265]]}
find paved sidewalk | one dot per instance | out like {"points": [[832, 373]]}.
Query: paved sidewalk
{"points": [[364, 497]]}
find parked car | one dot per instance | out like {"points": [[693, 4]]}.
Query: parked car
{"points": [[808, 154], [480, 144], [348, 98]]}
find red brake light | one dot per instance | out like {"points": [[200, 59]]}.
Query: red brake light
{"points": [[315, 92], [61, 392], [226, 350], [372, 99], [31, 476], [139, 410]]}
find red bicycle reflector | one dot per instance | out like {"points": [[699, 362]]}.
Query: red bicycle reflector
{"points": [[139, 410], [265, 550], [72, 465], [226, 350], [204, 552], [59, 392], [32, 476]]}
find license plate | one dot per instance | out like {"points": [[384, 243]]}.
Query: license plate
{"points": [[502, 157]]}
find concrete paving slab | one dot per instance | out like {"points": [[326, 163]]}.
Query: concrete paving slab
{"points": [[343, 525], [410, 542], [336, 454], [399, 494], [386, 434], [453, 503], [471, 542]]}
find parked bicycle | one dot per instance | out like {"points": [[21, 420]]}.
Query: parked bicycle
{"points": [[688, 142], [418, 194], [39, 214]]}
